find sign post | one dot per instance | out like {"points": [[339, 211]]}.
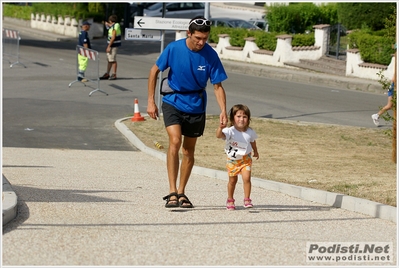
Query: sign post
{"points": [[161, 23], [143, 35]]}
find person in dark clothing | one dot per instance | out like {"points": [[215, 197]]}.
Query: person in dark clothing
{"points": [[83, 41]]}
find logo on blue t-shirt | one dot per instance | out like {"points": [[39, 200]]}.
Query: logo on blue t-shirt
{"points": [[201, 68]]}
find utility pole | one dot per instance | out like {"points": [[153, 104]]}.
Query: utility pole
{"points": [[207, 10]]}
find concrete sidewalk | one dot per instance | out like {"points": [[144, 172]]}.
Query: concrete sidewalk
{"points": [[82, 207]]}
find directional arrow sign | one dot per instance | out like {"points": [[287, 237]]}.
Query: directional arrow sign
{"points": [[161, 23], [144, 35]]}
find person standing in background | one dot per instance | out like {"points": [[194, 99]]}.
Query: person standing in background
{"points": [[83, 41], [114, 41]]}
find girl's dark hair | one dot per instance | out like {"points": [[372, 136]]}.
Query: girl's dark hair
{"points": [[200, 28], [235, 109]]}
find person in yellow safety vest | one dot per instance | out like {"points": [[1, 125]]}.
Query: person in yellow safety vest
{"points": [[114, 41], [84, 41]]}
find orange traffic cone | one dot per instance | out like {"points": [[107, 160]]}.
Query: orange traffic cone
{"points": [[137, 116]]}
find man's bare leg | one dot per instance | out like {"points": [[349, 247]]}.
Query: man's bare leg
{"points": [[172, 157]]}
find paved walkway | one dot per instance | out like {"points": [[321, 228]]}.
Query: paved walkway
{"points": [[103, 208]]}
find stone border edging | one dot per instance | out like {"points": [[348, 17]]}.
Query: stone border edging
{"points": [[346, 202], [9, 202]]}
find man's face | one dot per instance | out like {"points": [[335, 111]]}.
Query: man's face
{"points": [[86, 27], [197, 40]]}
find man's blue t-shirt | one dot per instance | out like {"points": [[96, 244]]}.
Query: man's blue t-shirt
{"points": [[84, 39], [190, 71]]}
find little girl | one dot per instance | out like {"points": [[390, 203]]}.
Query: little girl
{"points": [[240, 142]]}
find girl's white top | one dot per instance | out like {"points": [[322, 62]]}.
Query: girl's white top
{"points": [[238, 143]]}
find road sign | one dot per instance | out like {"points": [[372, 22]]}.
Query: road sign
{"points": [[161, 23], [144, 35]]}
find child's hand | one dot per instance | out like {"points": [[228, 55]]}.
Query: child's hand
{"points": [[219, 131], [256, 155]]}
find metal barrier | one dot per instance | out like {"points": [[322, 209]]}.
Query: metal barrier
{"points": [[11, 46], [83, 56]]}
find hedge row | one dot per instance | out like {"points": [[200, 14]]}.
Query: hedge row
{"points": [[264, 40], [76, 10], [17, 11], [373, 48]]}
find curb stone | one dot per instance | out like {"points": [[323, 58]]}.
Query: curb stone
{"points": [[9, 202], [363, 206]]}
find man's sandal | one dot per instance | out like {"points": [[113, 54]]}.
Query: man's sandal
{"points": [[230, 204], [184, 203], [171, 203]]}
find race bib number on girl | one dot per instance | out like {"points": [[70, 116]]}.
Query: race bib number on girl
{"points": [[235, 149]]}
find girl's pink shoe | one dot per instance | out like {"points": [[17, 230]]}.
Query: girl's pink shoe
{"points": [[230, 204], [248, 203]]}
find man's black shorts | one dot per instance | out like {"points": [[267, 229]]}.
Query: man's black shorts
{"points": [[192, 125]]}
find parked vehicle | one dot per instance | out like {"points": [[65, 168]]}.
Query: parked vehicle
{"points": [[137, 9], [233, 23], [261, 23], [186, 10]]}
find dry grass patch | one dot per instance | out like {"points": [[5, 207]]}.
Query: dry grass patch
{"points": [[349, 160]]}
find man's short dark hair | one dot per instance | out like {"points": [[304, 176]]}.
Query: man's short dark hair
{"points": [[200, 28], [113, 18]]}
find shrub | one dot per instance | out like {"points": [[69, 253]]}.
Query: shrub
{"points": [[299, 17], [278, 17], [17, 11], [328, 13], [76, 10], [373, 48], [267, 41], [303, 40], [369, 14], [237, 36], [215, 31]]}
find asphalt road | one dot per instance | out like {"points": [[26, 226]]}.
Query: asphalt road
{"points": [[272, 98], [41, 111]]}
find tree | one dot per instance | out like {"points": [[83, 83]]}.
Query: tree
{"points": [[299, 17], [364, 15]]}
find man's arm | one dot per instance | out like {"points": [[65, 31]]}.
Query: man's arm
{"points": [[152, 109], [86, 45], [221, 100], [111, 41]]}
